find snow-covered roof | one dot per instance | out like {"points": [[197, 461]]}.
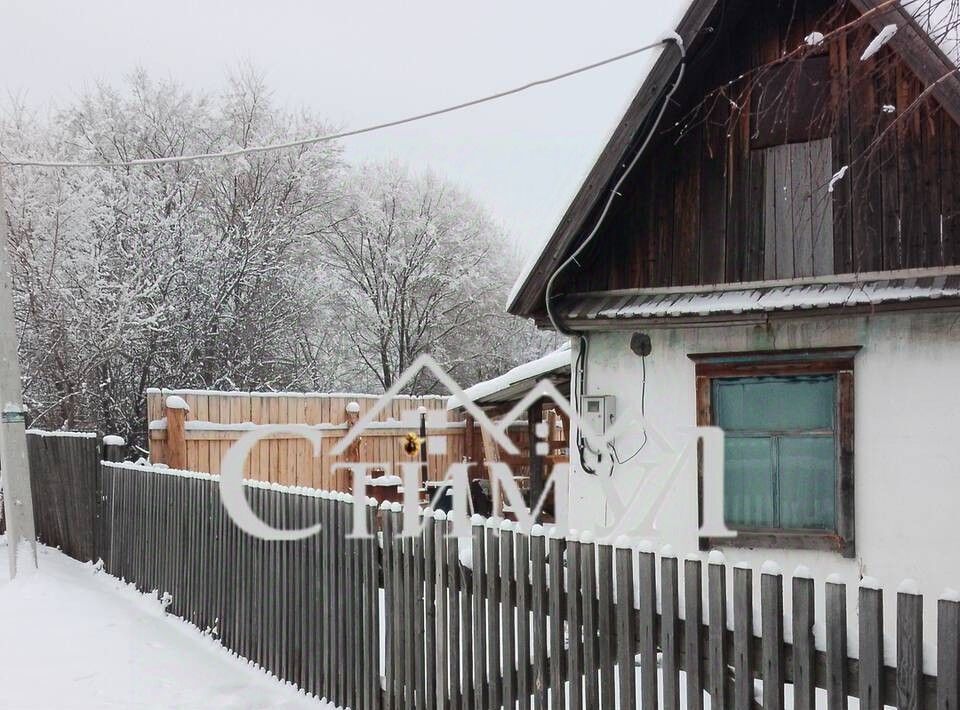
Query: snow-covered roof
{"points": [[516, 382], [808, 294], [935, 32]]}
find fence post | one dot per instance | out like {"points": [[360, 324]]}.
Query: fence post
{"points": [[835, 600], [909, 646], [112, 451], [948, 650], [743, 636], [871, 645], [717, 631], [352, 454], [113, 448], [804, 647], [175, 409]]}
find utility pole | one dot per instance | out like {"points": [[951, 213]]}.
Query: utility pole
{"points": [[14, 465]]}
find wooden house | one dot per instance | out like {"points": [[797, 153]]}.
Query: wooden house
{"points": [[789, 243]]}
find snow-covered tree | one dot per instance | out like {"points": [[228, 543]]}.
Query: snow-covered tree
{"points": [[186, 274], [420, 267], [279, 270]]}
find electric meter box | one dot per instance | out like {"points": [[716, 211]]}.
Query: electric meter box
{"points": [[598, 412]]}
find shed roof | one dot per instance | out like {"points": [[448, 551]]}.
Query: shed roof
{"points": [[514, 384]]}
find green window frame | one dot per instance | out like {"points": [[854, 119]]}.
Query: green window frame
{"points": [[787, 418]]}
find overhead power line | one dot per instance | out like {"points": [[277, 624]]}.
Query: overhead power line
{"points": [[239, 152]]}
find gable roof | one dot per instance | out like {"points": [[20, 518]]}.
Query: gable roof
{"points": [[922, 54]]}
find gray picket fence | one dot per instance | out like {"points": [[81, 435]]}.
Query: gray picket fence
{"points": [[503, 620]]}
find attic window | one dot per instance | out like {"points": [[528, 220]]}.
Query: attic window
{"points": [[790, 103]]}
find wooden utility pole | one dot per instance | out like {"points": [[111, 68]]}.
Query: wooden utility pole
{"points": [[14, 465]]}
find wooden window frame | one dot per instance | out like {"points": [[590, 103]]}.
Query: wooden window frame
{"points": [[816, 361]]}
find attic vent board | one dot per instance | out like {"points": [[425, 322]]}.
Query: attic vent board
{"points": [[797, 210]]}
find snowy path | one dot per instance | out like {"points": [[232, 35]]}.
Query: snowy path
{"points": [[73, 638]]}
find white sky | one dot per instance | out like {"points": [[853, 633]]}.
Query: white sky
{"points": [[366, 61]]}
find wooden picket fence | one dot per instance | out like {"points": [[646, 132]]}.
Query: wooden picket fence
{"points": [[399, 622]]}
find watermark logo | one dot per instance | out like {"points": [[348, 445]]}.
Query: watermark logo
{"points": [[633, 502]]}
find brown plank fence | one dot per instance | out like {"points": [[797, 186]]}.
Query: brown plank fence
{"points": [[215, 421], [504, 619]]}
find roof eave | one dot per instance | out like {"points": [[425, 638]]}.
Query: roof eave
{"points": [[918, 50], [528, 299], [927, 305]]}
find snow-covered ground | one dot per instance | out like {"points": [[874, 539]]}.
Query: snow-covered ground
{"points": [[72, 637]]}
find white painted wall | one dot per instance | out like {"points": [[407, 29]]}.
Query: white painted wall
{"points": [[907, 442]]}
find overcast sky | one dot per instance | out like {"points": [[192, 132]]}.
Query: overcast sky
{"points": [[357, 62]]}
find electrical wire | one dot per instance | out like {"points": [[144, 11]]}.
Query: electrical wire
{"points": [[580, 366], [614, 191], [239, 152]]}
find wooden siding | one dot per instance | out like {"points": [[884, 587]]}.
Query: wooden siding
{"points": [[693, 211]]}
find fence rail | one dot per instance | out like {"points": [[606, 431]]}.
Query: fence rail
{"points": [[504, 619]]}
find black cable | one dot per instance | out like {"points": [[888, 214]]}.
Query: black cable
{"points": [[643, 413], [579, 372]]}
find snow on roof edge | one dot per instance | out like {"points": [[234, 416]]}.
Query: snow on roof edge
{"points": [[949, 45], [535, 368]]}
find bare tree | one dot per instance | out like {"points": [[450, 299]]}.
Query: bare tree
{"points": [[283, 270], [421, 268]]}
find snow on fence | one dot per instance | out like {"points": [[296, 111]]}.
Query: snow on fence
{"points": [[198, 430], [504, 619]]}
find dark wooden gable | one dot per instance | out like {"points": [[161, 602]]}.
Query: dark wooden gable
{"points": [[735, 187]]}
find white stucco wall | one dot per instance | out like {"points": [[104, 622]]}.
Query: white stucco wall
{"points": [[907, 442]]}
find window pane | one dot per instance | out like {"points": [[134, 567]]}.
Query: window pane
{"points": [[808, 482], [775, 403], [748, 481]]}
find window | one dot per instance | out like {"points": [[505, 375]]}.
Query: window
{"points": [[780, 451], [787, 417]]}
